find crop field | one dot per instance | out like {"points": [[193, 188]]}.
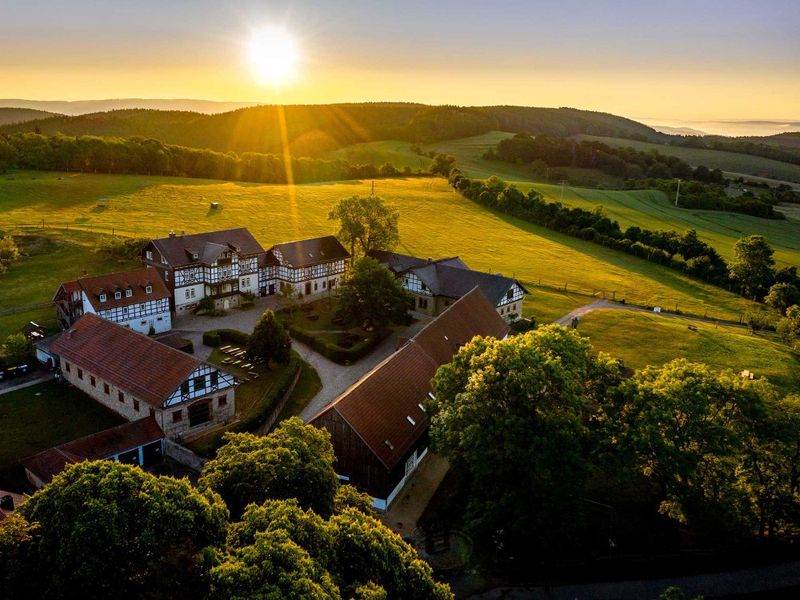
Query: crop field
{"points": [[730, 162], [642, 339], [434, 221], [395, 152]]}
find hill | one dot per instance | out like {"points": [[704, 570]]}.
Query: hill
{"points": [[83, 107], [312, 130], [11, 115]]}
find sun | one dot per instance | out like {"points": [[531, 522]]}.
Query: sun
{"points": [[273, 55]]}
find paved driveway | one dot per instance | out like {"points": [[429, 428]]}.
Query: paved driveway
{"points": [[335, 378]]}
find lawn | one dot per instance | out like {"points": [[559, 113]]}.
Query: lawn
{"points": [[641, 339], [434, 221], [45, 415], [307, 387], [546, 305], [396, 153], [731, 162], [47, 261]]}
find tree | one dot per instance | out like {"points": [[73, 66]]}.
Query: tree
{"points": [[17, 349], [781, 296], [369, 293], [442, 164], [366, 223], [104, 529], [788, 328], [289, 298], [294, 461], [349, 497], [8, 252], [269, 340], [752, 264], [513, 414]]}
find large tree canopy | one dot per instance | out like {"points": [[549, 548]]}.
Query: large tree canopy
{"points": [[294, 461], [104, 529], [269, 340], [370, 293], [752, 264], [366, 223]]}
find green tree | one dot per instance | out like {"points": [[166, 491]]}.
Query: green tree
{"points": [[289, 298], [366, 223], [17, 349], [781, 296], [349, 497], [369, 293], [269, 340], [442, 165], [293, 461], [751, 267], [513, 414], [105, 529], [9, 252], [788, 328]]}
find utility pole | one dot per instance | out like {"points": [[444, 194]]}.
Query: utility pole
{"points": [[563, 183], [373, 188], [678, 192]]}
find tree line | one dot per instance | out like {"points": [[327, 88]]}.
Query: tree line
{"points": [[752, 273], [140, 156]]}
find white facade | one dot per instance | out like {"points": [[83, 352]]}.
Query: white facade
{"points": [[139, 317]]}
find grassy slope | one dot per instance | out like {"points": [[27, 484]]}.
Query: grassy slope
{"points": [[644, 208], [435, 221], [394, 152], [642, 339], [732, 162], [45, 415]]}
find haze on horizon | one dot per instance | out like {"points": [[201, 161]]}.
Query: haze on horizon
{"points": [[706, 60]]}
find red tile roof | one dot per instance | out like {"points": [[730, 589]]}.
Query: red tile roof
{"points": [[129, 360], [49, 463], [377, 406], [136, 280]]}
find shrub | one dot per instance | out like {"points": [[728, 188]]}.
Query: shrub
{"points": [[217, 337]]}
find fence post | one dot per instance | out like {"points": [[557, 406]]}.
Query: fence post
{"points": [[565, 286]]}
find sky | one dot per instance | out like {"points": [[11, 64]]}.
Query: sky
{"points": [[677, 59]]}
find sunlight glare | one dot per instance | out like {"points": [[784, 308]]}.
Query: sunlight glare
{"points": [[273, 55]]}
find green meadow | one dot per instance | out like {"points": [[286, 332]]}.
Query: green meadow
{"points": [[642, 339], [396, 153], [434, 221]]}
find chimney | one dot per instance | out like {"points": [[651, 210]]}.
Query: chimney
{"points": [[430, 259], [172, 234]]}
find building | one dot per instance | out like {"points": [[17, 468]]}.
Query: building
{"points": [[137, 299], [436, 284], [136, 376], [378, 427], [138, 443], [312, 266], [222, 265]]}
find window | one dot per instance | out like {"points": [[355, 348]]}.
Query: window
{"points": [[166, 275], [102, 297], [67, 367], [148, 289], [142, 322], [422, 302], [308, 287], [177, 416], [200, 412], [185, 388], [222, 401], [93, 381], [80, 373], [193, 290], [315, 286], [106, 389], [117, 295], [324, 284], [509, 294], [149, 255], [121, 397], [200, 383], [187, 294], [135, 405], [128, 293], [214, 378]]}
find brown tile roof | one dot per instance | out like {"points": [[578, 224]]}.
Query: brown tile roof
{"points": [[127, 359], [136, 280], [377, 406], [178, 250], [314, 251], [104, 444]]}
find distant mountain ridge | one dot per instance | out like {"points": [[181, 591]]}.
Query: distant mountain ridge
{"points": [[11, 115], [313, 130], [83, 107]]}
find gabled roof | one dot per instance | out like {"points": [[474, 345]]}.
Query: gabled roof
{"points": [[400, 263], [101, 445], [136, 280], [179, 250], [304, 253], [378, 405], [129, 360]]}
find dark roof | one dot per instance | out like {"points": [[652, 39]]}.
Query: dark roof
{"points": [[400, 263], [129, 360], [136, 280], [104, 444], [304, 253], [173, 339], [178, 250], [377, 406]]}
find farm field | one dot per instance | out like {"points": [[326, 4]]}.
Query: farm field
{"points": [[731, 162], [642, 339], [395, 152], [45, 415], [434, 221]]}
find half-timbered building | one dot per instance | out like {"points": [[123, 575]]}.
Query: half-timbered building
{"points": [[136, 376], [436, 284], [222, 265], [313, 267], [136, 299], [378, 427]]}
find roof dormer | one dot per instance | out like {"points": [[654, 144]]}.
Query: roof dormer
{"points": [[117, 294], [148, 289], [128, 293], [103, 297]]}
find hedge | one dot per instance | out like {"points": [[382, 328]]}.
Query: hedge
{"points": [[217, 337], [267, 403], [336, 353]]}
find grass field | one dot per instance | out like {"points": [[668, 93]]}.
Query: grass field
{"points": [[641, 339], [45, 415], [434, 221], [731, 162], [395, 152]]}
